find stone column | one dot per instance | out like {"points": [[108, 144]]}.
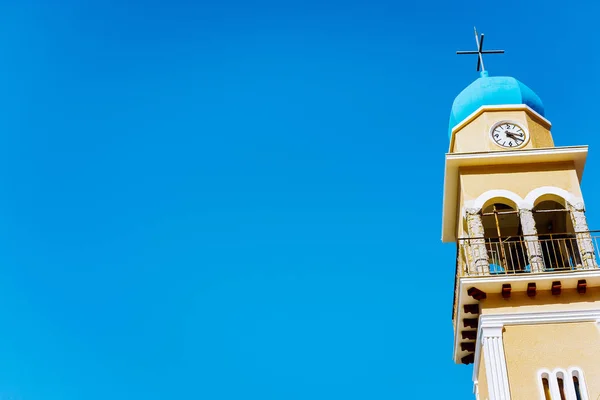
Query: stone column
{"points": [[584, 239], [530, 238], [495, 362], [479, 264]]}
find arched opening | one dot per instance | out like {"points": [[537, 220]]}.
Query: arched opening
{"points": [[546, 387], [503, 237], [560, 379], [577, 387], [556, 236]]}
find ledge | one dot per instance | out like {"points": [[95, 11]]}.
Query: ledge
{"points": [[519, 283]]}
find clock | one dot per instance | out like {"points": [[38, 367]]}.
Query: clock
{"points": [[508, 134]]}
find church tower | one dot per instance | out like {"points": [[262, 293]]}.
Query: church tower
{"points": [[526, 309]]}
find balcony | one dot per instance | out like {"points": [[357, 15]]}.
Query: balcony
{"points": [[524, 254], [517, 267]]}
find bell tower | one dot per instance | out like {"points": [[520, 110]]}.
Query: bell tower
{"points": [[526, 310]]}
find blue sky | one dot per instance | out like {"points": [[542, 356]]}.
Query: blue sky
{"points": [[220, 200]]}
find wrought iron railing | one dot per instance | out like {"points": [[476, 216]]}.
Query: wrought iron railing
{"points": [[527, 254]]}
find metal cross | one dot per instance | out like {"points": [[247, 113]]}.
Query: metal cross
{"points": [[480, 52]]}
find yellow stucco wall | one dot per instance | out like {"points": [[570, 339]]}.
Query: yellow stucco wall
{"points": [[475, 136], [482, 379], [520, 179], [540, 135], [529, 348], [544, 301]]}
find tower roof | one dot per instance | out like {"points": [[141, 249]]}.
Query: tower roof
{"points": [[492, 90]]}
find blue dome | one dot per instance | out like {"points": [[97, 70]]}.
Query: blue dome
{"points": [[488, 91]]}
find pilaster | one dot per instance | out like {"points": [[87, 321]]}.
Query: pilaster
{"points": [[495, 362]]}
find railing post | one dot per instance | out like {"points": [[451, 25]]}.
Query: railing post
{"points": [[532, 244], [480, 262], [584, 239]]}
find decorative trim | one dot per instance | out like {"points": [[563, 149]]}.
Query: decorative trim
{"points": [[528, 202], [488, 157], [551, 317], [502, 193], [562, 193], [522, 279]]}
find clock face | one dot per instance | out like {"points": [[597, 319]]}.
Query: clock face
{"points": [[509, 135]]}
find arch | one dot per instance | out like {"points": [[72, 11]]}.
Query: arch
{"points": [[499, 196], [543, 193]]}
